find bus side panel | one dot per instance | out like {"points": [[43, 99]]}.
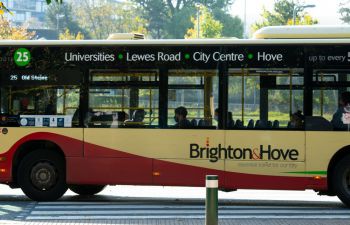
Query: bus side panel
{"points": [[107, 159], [170, 150], [263, 159], [69, 140], [181, 173], [321, 147], [109, 171]]}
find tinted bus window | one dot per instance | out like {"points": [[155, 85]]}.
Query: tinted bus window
{"points": [[124, 99], [197, 91]]}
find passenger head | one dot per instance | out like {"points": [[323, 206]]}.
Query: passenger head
{"points": [[138, 115], [216, 114], [180, 113], [344, 98], [122, 116], [297, 119], [229, 116], [24, 103]]}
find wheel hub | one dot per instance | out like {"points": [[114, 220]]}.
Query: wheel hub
{"points": [[43, 175]]}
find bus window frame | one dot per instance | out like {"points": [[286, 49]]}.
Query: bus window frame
{"points": [[200, 86], [125, 84], [265, 72]]}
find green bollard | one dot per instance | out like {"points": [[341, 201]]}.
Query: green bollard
{"points": [[211, 201]]}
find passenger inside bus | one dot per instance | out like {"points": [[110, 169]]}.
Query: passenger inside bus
{"points": [[24, 107], [122, 117], [296, 120], [336, 121], [180, 118], [136, 120], [138, 116], [230, 121], [50, 108]]}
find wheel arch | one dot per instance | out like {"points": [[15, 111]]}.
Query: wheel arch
{"points": [[30, 146], [336, 157]]}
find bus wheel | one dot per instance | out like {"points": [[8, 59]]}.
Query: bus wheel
{"points": [[42, 176], [341, 180], [86, 189]]}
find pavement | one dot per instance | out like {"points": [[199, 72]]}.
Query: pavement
{"points": [[173, 205]]}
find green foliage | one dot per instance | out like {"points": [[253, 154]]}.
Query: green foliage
{"points": [[49, 1], [67, 35], [9, 32], [208, 26], [172, 19], [67, 21], [3, 9], [232, 26], [282, 14], [344, 11], [108, 18]]}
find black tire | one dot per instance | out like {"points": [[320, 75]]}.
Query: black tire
{"points": [[341, 180], [86, 190], [42, 175]]}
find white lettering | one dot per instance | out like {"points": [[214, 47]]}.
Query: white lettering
{"points": [[267, 57], [217, 56], [169, 57], [140, 57], [201, 56], [97, 57]]}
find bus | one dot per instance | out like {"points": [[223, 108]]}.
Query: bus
{"points": [[86, 114]]}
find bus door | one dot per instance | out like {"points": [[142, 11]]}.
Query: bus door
{"points": [[190, 148], [265, 139], [326, 132], [120, 123]]}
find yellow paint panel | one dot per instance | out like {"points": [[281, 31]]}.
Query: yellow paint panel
{"points": [[271, 152], [321, 146], [278, 145], [154, 143], [14, 134]]}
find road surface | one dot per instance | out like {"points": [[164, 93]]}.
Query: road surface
{"points": [[173, 205]]}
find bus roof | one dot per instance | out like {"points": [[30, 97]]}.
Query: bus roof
{"points": [[165, 42], [303, 32]]}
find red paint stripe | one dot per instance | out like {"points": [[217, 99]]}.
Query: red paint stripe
{"points": [[70, 147]]}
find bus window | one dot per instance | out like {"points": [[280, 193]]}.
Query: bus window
{"points": [[37, 106], [4, 93], [264, 98], [329, 84], [243, 98], [124, 100], [325, 103], [284, 103], [197, 91]]}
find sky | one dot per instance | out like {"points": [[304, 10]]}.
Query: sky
{"points": [[326, 11]]}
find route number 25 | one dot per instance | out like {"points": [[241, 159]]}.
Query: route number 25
{"points": [[22, 57]]}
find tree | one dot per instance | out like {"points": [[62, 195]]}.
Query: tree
{"points": [[67, 35], [67, 21], [106, 18], [344, 10], [232, 26], [8, 32], [172, 19], [282, 14], [208, 26]]}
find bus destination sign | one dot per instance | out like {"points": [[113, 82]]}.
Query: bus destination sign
{"points": [[22, 77], [197, 55]]}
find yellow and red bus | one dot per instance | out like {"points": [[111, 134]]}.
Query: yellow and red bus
{"points": [[70, 113]]}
